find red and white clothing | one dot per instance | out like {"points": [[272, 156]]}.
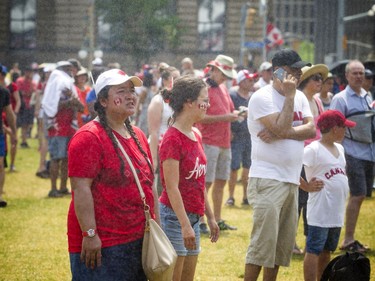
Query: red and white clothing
{"points": [[192, 166], [280, 160], [118, 206], [217, 133], [326, 208], [27, 88]]}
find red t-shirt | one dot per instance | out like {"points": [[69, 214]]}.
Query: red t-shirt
{"points": [[118, 206], [12, 87], [82, 98], [63, 123], [26, 88], [190, 154], [218, 133]]}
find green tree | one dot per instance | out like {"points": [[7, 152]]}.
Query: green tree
{"points": [[140, 28]]}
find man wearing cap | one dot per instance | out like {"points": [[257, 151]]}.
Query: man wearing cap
{"points": [[265, 71], [279, 120], [215, 129], [360, 155], [240, 141], [60, 104]]}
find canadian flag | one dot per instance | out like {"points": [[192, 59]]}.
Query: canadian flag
{"points": [[274, 38]]}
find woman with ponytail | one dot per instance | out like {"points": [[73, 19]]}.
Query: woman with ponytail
{"points": [[183, 200], [106, 216]]}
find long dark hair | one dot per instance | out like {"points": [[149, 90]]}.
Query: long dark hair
{"points": [[185, 89], [103, 94]]}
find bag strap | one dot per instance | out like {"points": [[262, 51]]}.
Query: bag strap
{"points": [[141, 192]]}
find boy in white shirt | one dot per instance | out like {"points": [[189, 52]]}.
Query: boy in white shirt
{"points": [[324, 163]]}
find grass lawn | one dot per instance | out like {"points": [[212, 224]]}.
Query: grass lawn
{"points": [[33, 241]]}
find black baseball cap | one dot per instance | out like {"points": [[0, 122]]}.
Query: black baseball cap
{"points": [[288, 57], [368, 73]]}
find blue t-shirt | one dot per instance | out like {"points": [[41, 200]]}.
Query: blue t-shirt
{"points": [[91, 96]]}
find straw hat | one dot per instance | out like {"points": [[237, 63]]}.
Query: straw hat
{"points": [[225, 64], [308, 71]]}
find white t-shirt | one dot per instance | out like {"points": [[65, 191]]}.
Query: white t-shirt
{"points": [[326, 208], [280, 160]]}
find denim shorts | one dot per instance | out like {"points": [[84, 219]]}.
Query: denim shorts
{"points": [[119, 263], [58, 147], [322, 238], [360, 175], [241, 154], [172, 229]]}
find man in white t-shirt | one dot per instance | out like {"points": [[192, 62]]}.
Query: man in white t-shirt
{"points": [[279, 120]]}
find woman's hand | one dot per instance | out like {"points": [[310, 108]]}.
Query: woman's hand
{"points": [[189, 237], [214, 230], [91, 253]]}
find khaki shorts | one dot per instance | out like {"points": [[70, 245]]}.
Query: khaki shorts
{"points": [[275, 221], [218, 162]]}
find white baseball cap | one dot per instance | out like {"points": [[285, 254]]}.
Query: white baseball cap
{"points": [[265, 66], [115, 77]]}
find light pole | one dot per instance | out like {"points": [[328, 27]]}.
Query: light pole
{"points": [[242, 26]]}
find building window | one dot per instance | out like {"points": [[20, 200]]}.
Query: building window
{"points": [[211, 25], [23, 24]]}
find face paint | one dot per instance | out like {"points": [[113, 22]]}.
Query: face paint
{"points": [[203, 106], [117, 101]]}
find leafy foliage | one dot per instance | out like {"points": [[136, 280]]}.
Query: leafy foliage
{"points": [[140, 27]]}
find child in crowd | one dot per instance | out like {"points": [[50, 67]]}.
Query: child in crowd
{"points": [[324, 163]]}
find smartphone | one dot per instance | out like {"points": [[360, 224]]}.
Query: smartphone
{"points": [[280, 74]]}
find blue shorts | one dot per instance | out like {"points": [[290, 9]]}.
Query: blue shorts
{"points": [[121, 262], [172, 229], [241, 153], [360, 175], [58, 147], [322, 238], [2, 145]]}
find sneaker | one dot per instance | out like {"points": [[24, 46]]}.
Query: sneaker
{"points": [[54, 193], [43, 174], [203, 228], [223, 226], [12, 169], [64, 191], [230, 202], [3, 203], [24, 145], [245, 202]]}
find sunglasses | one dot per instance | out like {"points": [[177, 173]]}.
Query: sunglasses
{"points": [[316, 77]]}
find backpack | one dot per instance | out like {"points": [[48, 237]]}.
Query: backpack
{"points": [[348, 267]]}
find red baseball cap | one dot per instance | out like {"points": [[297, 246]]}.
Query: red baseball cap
{"points": [[331, 118]]}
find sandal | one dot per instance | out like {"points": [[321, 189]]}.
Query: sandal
{"points": [[355, 246]]}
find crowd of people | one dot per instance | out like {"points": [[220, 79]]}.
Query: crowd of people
{"points": [[187, 132]]}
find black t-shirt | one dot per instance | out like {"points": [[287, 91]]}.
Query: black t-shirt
{"points": [[4, 101]]}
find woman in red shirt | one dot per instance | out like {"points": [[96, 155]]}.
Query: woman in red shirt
{"points": [[183, 167], [106, 218]]}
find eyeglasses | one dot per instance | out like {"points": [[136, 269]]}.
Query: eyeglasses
{"points": [[317, 77]]}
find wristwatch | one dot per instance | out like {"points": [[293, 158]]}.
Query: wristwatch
{"points": [[89, 233]]}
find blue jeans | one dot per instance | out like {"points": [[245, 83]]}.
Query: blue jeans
{"points": [[119, 263]]}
